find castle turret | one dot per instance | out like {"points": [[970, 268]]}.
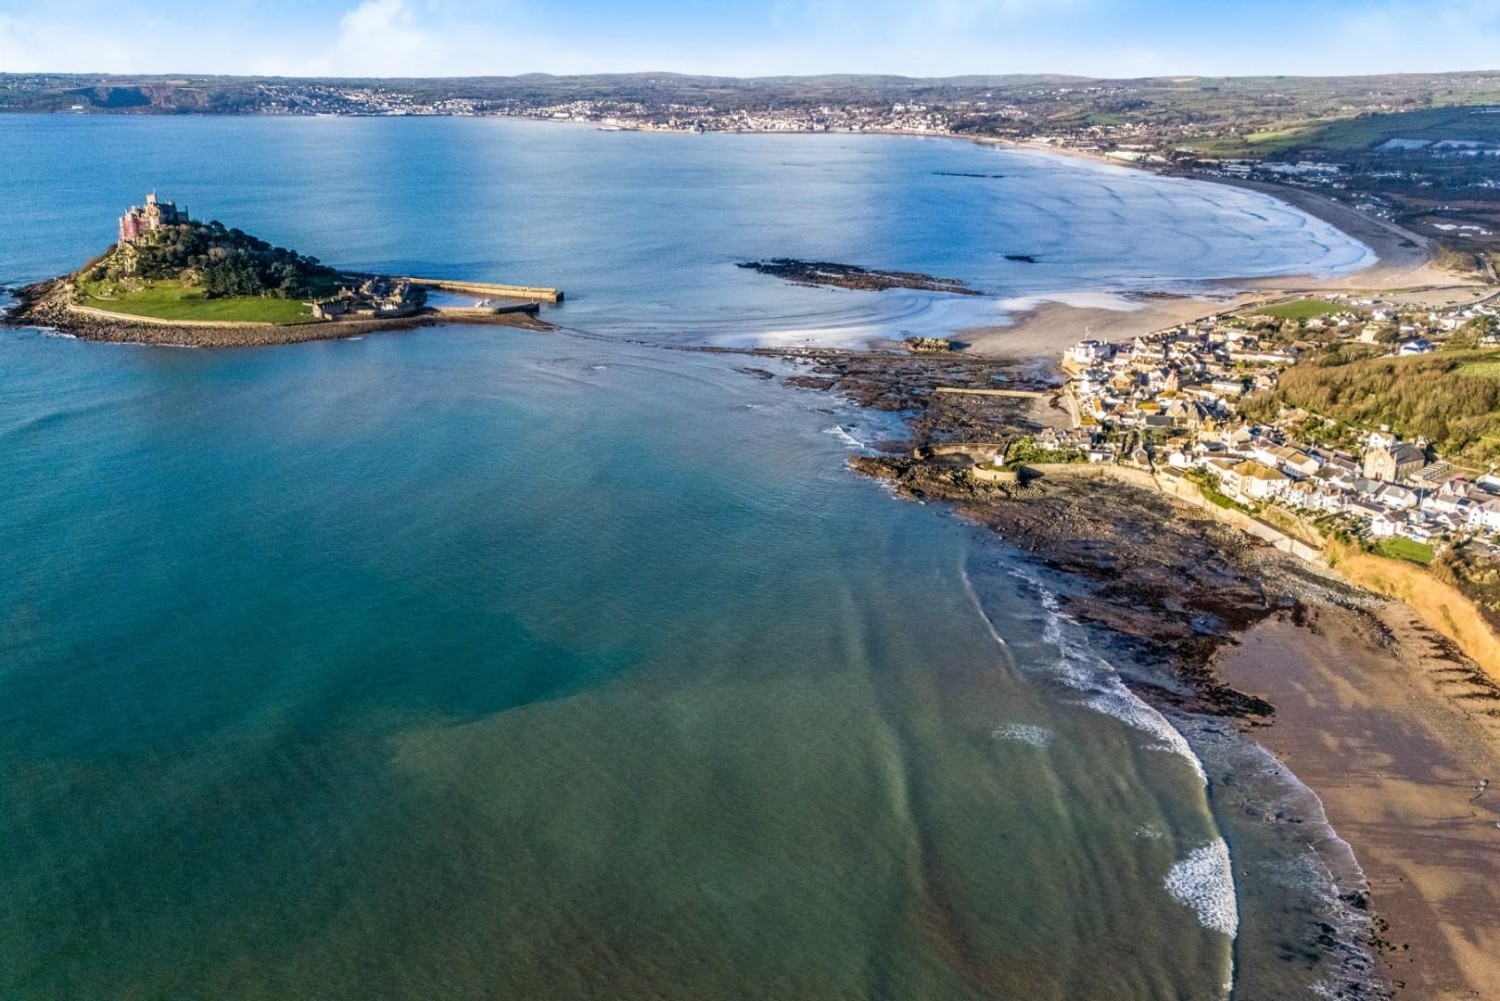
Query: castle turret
{"points": [[142, 219]]}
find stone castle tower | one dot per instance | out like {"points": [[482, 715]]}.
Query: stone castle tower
{"points": [[142, 219]]}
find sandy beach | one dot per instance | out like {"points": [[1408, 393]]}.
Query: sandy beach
{"points": [[1382, 718], [1392, 730], [1406, 261]]}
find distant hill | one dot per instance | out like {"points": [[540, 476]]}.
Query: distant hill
{"points": [[1055, 98]]}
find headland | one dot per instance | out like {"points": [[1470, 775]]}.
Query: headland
{"points": [[1373, 680]]}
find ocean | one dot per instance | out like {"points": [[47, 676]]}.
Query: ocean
{"points": [[474, 663]]}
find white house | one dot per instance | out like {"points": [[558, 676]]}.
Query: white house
{"points": [[1485, 517], [1254, 481], [1397, 498]]}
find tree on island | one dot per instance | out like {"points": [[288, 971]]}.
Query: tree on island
{"points": [[224, 262]]}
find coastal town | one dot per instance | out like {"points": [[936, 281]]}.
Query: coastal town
{"points": [[1188, 402], [610, 664]]}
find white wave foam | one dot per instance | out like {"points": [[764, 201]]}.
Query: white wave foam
{"points": [[853, 337], [963, 575], [1082, 299], [1205, 882], [1086, 672], [1024, 733], [847, 438]]}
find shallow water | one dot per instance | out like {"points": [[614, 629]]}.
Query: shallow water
{"points": [[642, 230], [474, 663]]}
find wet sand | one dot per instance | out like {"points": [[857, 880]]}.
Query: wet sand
{"points": [[1405, 261], [1050, 327], [1378, 715], [1392, 730]]}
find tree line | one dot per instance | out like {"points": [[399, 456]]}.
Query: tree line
{"points": [[225, 262]]}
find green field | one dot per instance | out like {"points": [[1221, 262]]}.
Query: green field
{"points": [[1406, 549], [1300, 309], [1288, 136], [1333, 136], [1367, 131], [172, 300]]}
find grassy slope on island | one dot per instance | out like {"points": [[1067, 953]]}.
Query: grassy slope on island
{"points": [[204, 272], [172, 299]]}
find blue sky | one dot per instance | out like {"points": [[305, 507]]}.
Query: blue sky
{"points": [[751, 37]]}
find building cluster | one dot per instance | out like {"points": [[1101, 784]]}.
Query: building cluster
{"points": [[374, 299], [139, 220], [1171, 401], [691, 118]]}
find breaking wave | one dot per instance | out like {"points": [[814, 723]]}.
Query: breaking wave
{"points": [[1204, 882], [839, 432], [1084, 671]]}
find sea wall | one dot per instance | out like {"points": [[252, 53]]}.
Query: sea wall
{"points": [[490, 289], [991, 474], [1186, 491], [979, 451], [1443, 607]]}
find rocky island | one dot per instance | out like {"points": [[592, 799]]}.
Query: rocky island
{"points": [[173, 280], [825, 274]]}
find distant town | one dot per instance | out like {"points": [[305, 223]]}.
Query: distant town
{"points": [[1419, 150]]}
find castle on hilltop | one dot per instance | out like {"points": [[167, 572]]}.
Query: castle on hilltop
{"points": [[142, 219]]}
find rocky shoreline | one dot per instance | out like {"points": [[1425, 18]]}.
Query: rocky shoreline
{"points": [[47, 305], [1180, 594], [1176, 584], [826, 274]]}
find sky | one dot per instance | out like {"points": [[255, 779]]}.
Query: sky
{"points": [[1108, 38]]}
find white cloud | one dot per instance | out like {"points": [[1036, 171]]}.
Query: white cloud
{"points": [[913, 37], [28, 46]]}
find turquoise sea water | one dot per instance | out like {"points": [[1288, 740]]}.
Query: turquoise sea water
{"points": [[470, 663], [642, 229]]}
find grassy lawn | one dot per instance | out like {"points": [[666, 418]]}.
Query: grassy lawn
{"points": [[1406, 549], [171, 300], [1026, 450], [1488, 368], [1300, 309]]}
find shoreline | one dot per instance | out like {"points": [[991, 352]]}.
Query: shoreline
{"points": [[1378, 717], [44, 305], [1046, 326], [1375, 715]]}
